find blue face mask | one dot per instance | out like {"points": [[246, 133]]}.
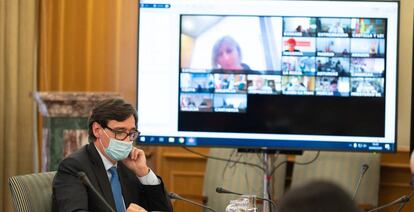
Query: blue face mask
{"points": [[117, 150]]}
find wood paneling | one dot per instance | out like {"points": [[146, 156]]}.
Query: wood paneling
{"points": [[395, 178], [183, 173], [88, 46]]}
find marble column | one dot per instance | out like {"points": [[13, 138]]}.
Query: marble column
{"points": [[65, 127]]}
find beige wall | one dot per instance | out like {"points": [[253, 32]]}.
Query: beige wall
{"points": [[405, 71]]}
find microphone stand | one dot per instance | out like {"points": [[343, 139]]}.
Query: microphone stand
{"points": [[85, 180], [407, 200], [266, 178], [267, 173], [364, 169], [402, 200]]}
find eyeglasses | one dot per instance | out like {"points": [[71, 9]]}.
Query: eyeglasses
{"points": [[121, 134]]}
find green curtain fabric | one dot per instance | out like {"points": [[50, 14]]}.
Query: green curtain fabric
{"points": [[18, 40]]}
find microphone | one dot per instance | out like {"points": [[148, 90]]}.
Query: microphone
{"points": [[225, 191], [402, 200], [406, 199], [85, 180], [173, 195], [364, 169]]}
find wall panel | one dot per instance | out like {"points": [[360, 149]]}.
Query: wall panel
{"points": [[88, 46]]}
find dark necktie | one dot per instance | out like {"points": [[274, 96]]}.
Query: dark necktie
{"points": [[116, 190]]}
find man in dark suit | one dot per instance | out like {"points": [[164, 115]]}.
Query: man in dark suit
{"points": [[116, 168]]}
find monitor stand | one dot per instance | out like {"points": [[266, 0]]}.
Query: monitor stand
{"points": [[267, 169]]}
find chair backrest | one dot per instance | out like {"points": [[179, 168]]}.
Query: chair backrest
{"points": [[238, 177], [32, 192], [343, 169]]}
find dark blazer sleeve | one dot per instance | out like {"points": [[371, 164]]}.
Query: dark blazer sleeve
{"points": [[150, 197], [157, 197], [69, 194]]}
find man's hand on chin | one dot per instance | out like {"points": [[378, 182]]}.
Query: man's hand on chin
{"points": [[137, 162], [135, 208]]}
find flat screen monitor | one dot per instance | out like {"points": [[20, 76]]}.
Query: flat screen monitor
{"points": [[300, 75]]}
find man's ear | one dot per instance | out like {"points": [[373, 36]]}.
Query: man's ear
{"points": [[96, 128]]}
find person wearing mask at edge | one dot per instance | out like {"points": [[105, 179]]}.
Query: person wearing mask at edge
{"points": [[412, 169], [227, 57], [115, 168]]}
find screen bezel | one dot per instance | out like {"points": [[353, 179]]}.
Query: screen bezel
{"points": [[323, 145]]}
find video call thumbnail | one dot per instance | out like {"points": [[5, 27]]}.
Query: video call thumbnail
{"points": [[224, 58], [332, 66], [264, 84], [230, 83], [332, 86], [298, 46], [236, 103], [333, 27], [292, 65], [196, 102], [230, 44], [373, 87], [197, 82], [368, 27], [365, 47], [298, 85], [332, 47], [366, 67], [299, 27]]}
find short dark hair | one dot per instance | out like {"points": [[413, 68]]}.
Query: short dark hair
{"points": [[319, 195], [110, 109]]}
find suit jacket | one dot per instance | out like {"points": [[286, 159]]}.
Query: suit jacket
{"points": [[70, 194]]}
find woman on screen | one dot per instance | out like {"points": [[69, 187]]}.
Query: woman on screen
{"points": [[227, 56]]}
